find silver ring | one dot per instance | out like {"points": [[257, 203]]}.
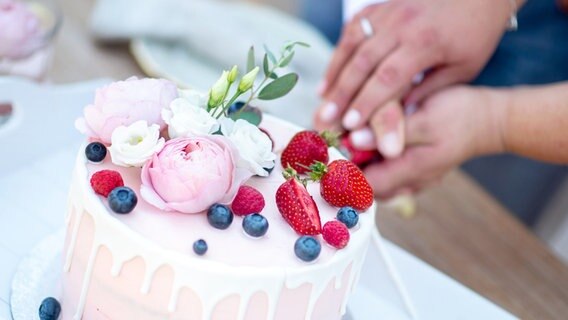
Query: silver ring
{"points": [[367, 27]]}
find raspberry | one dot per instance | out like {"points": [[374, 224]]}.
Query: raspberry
{"points": [[104, 181], [248, 200], [335, 234]]}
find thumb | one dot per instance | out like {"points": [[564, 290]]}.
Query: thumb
{"points": [[388, 125]]}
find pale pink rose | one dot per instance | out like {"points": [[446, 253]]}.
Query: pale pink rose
{"points": [[122, 103], [191, 173], [20, 30]]}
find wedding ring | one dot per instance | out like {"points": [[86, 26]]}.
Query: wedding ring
{"points": [[366, 27]]}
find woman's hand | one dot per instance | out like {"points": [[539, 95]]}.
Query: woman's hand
{"points": [[452, 39], [451, 126]]}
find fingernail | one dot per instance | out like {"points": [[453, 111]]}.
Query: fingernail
{"points": [[390, 145], [417, 79], [351, 119], [322, 87], [328, 112], [362, 139]]}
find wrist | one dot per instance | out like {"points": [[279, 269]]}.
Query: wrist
{"points": [[493, 121]]}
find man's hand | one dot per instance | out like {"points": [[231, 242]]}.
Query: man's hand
{"points": [[451, 39]]}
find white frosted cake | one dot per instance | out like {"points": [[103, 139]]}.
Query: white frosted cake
{"points": [[139, 259]]}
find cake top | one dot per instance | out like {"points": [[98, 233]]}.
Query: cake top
{"points": [[209, 177]]}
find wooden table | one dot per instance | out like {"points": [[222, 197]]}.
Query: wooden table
{"points": [[459, 228]]}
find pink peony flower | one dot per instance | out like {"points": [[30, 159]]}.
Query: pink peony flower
{"points": [[122, 103], [191, 173], [20, 30]]}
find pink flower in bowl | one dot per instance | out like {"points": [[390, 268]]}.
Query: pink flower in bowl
{"points": [[20, 30], [122, 103], [191, 173]]}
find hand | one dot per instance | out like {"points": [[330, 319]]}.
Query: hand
{"points": [[453, 39], [450, 127]]}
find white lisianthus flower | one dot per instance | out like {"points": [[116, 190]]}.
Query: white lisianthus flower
{"points": [[185, 119], [255, 147], [135, 144], [195, 97]]}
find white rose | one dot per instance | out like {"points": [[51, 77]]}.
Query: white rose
{"points": [[185, 118], [135, 144], [255, 147]]}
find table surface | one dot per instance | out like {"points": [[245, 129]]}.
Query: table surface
{"points": [[459, 229]]}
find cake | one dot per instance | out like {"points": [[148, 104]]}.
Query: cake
{"points": [[141, 263]]}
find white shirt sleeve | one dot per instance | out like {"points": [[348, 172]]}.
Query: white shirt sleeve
{"points": [[351, 7]]}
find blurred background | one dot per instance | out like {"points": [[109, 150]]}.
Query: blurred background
{"points": [[535, 193]]}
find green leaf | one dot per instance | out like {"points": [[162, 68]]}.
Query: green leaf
{"points": [[291, 45], [266, 65], [270, 55], [273, 75], [279, 87], [252, 115], [250, 59], [286, 61]]}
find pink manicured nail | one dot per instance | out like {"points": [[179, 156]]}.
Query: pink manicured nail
{"points": [[390, 145], [363, 138], [351, 119], [329, 112]]}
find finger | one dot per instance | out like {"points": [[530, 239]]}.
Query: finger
{"points": [[418, 130], [363, 139], [388, 126], [357, 70], [388, 81], [391, 175], [351, 36], [433, 81]]}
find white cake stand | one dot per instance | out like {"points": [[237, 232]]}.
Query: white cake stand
{"points": [[39, 276]]}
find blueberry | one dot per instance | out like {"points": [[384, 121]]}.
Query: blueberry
{"points": [[219, 216], [122, 200], [200, 247], [235, 107], [95, 151], [348, 216], [255, 225], [49, 309], [307, 248]]}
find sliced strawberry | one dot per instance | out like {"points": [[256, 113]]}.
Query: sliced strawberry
{"points": [[297, 206]]}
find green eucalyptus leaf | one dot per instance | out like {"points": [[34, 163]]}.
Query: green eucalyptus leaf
{"points": [[273, 76], [270, 55], [291, 45], [250, 114], [279, 87], [250, 59], [286, 61], [266, 65]]}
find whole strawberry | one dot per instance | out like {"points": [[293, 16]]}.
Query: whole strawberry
{"points": [[305, 148], [296, 205], [342, 183]]}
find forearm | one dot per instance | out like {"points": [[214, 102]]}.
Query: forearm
{"points": [[534, 121]]}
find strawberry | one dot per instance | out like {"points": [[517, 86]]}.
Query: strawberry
{"points": [[296, 205], [359, 157], [342, 184], [248, 200], [305, 148], [104, 181], [335, 234]]}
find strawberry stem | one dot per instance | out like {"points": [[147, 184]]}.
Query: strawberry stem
{"points": [[290, 173], [317, 171], [331, 138]]}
